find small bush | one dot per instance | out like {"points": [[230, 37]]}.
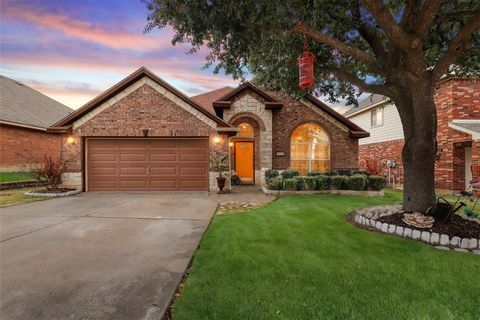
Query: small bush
{"points": [[340, 182], [314, 174], [364, 172], [323, 183], [310, 183], [357, 182], [373, 167], [270, 174], [289, 174], [376, 183], [49, 172], [344, 172], [290, 184], [331, 173], [300, 182], [275, 184]]}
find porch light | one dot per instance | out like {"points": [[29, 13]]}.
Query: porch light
{"points": [[231, 144], [217, 139], [70, 140]]}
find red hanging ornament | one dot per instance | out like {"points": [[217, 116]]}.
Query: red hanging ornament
{"points": [[306, 61]]}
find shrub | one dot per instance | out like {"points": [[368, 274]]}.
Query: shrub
{"points": [[357, 182], [323, 183], [331, 173], [289, 174], [290, 184], [376, 183], [270, 174], [310, 183], [314, 174], [275, 183], [344, 172], [49, 172], [300, 182], [340, 182], [364, 172], [373, 167]]}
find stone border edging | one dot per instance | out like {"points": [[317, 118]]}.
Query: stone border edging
{"points": [[58, 194], [439, 241], [339, 192], [19, 184]]}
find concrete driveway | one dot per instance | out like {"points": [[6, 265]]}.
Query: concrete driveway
{"points": [[98, 255]]}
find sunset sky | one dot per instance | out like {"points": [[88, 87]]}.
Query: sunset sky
{"points": [[73, 50]]}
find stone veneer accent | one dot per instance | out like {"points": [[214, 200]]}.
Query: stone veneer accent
{"points": [[367, 217]]}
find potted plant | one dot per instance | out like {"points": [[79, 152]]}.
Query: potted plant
{"points": [[218, 162]]}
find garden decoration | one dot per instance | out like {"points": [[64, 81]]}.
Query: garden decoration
{"points": [[219, 166], [443, 209], [306, 61], [416, 219], [471, 212]]}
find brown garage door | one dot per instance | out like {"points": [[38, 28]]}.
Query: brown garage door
{"points": [[147, 164]]}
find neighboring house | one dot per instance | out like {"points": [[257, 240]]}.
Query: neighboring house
{"points": [[143, 134], [458, 114], [25, 115]]}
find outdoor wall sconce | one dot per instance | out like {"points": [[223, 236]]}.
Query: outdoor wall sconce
{"points": [[217, 139], [70, 140]]}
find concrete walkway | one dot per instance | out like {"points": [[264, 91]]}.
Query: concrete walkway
{"points": [[98, 255]]}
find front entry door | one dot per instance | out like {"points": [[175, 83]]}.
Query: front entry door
{"points": [[244, 162]]}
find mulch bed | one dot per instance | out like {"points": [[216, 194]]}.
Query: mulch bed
{"points": [[457, 227], [59, 190]]}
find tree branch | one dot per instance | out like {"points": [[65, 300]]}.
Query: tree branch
{"points": [[371, 36], [426, 17], [356, 81], [384, 18], [457, 46], [409, 13], [361, 55]]}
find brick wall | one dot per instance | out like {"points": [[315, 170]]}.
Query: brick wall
{"points": [[343, 148], [454, 99], [381, 152], [21, 147]]}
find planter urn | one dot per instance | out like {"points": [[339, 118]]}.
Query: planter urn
{"points": [[221, 184]]}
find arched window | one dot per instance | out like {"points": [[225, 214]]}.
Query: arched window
{"points": [[310, 149], [246, 131]]}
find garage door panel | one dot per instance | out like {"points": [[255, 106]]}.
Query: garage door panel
{"points": [[147, 164]]}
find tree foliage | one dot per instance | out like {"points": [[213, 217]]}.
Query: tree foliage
{"points": [[357, 43]]}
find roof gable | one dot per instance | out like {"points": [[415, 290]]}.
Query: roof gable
{"points": [[206, 99], [24, 106], [225, 101], [127, 82]]}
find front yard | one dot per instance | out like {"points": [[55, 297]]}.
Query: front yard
{"points": [[298, 258], [17, 196], [14, 176]]}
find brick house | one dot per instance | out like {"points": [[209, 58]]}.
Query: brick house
{"points": [[143, 134], [25, 115], [458, 114]]}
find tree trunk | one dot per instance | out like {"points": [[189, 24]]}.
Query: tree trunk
{"points": [[419, 119]]}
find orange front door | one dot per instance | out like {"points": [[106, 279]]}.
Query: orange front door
{"points": [[244, 161]]}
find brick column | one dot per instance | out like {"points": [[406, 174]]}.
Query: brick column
{"points": [[476, 166]]}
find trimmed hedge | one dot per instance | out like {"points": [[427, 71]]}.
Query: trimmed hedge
{"points": [[290, 184], [376, 183], [275, 183], [271, 174], [289, 174], [310, 183], [357, 182], [300, 182], [323, 183], [340, 182]]}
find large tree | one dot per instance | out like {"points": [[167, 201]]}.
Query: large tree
{"points": [[395, 48]]}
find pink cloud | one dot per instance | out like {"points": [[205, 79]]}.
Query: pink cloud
{"points": [[87, 31]]}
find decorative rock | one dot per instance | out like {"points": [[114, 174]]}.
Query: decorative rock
{"points": [[362, 220], [472, 244], [460, 250], [399, 230], [378, 225], [426, 236], [372, 223], [465, 244], [357, 218], [366, 222], [476, 252], [444, 240], [391, 228], [455, 241], [415, 234], [435, 238], [442, 248], [384, 227], [407, 232]]}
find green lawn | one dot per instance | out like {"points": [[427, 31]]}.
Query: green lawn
{"points": [[298, 258], [14, 176], [17, 196]]}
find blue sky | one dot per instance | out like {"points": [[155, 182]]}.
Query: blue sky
{"points": [[74, 50]]}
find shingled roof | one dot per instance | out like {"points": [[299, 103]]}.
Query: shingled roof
{"points": [[366, 103], [23, 106], [206, 99]]}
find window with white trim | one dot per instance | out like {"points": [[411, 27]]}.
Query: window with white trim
{"points": [[376, 117]]}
